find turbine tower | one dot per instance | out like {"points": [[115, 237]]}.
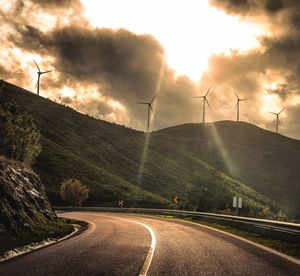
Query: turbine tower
{"points": [[277, 118], [204, 102], [39, 72], [238, 100], [149, 104]]}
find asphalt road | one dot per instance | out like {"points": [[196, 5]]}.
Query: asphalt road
{"points": [[119, 244]]}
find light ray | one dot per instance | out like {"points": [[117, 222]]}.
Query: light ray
{"points": [[147, 135], [219, 145]]}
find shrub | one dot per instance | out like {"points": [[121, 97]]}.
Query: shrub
{"points": [[20, 137], [74, 192]]}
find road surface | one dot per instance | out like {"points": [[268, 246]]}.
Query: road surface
{"points": [[120, 244]]}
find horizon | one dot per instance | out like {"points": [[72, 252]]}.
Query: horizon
{"points": [[156, 130], [105, 57]]}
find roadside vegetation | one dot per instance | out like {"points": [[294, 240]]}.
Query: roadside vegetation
{"points": [[74, 192], [26, 215], [43, 233], [19, 136]]}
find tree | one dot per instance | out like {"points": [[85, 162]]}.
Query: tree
{"points": [[20, 137], [74, 192]]}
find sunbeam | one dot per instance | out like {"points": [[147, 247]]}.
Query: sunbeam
{"points": [[219, 145], [147, 135]]}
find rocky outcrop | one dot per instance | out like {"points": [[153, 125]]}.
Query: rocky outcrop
{"points": [[23, 203]]}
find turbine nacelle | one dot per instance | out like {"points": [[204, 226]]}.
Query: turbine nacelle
{"points": [[204, 101], [277, 117], [39, 72], [149, 104], [238, 100]]}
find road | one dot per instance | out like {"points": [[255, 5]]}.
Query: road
{"points": [[119, 244]]}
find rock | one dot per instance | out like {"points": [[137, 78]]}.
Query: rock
{"points": [[23, 202]]}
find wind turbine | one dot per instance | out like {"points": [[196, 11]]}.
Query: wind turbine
{"points": [[204, 102], [39, 72], [238, 100], [277, 118], [149, 109]]}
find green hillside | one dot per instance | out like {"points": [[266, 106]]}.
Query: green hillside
{"points": [[107, 157], [265, 161]]}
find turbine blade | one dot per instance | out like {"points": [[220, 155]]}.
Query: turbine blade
{"points": [[273, 112], [236, 95], [36, 84], [281, 110], [151, 107], [45, 72], [207, 91], [207, 102], [153, 98], [243, 100], [37, 66], [198, 97], [141, 103]]}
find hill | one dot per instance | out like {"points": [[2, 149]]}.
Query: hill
{"points": [[265, 161], [108, 158]]}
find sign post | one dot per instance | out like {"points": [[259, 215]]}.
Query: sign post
{"points": [[237, 202]]}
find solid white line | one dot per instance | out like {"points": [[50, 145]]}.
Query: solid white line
{"points": [[269, 250], [150, 254]]}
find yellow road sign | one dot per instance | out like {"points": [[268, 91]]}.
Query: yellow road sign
{"points": [[176, 200]]}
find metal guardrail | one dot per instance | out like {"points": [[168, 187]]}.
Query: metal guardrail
{"points": [[269, 228]]}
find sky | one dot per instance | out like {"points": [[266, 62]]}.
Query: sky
{"points": [[106, 56]]}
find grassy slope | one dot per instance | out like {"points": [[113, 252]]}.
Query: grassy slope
{"points": [[107, 158], [265, 161]]}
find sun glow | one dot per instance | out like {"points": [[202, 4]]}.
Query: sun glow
{"points": [[270, 103], [190, 31]]}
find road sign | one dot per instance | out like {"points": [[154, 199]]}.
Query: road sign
{"points": [[234, 202], [240, 202], [176, 200], [121, 203], [237, 202]]}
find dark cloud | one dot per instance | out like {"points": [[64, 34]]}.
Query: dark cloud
{"points": [[56, 3], [277, 61], [251, 7], [125, 66], [105, 65], [281, 49], [124, 61], [281, 90]]}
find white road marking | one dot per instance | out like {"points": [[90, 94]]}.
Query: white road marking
{"points": [[269, 250], [150, 254]]}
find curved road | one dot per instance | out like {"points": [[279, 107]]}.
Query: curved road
{"points": [[119, 244]]}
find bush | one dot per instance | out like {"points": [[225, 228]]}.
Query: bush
{"points": [[74, 192], [19, 138]]}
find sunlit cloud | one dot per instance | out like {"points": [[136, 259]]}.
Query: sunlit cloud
{"points": [[107, 55], [189, 31]]}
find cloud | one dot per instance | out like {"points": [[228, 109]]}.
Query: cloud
{"points": [[124, 66], [104, 72], [272, 69], [57, 3]]}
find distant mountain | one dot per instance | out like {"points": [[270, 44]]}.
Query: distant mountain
{"points": [[265, 161], [196, 162]]}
